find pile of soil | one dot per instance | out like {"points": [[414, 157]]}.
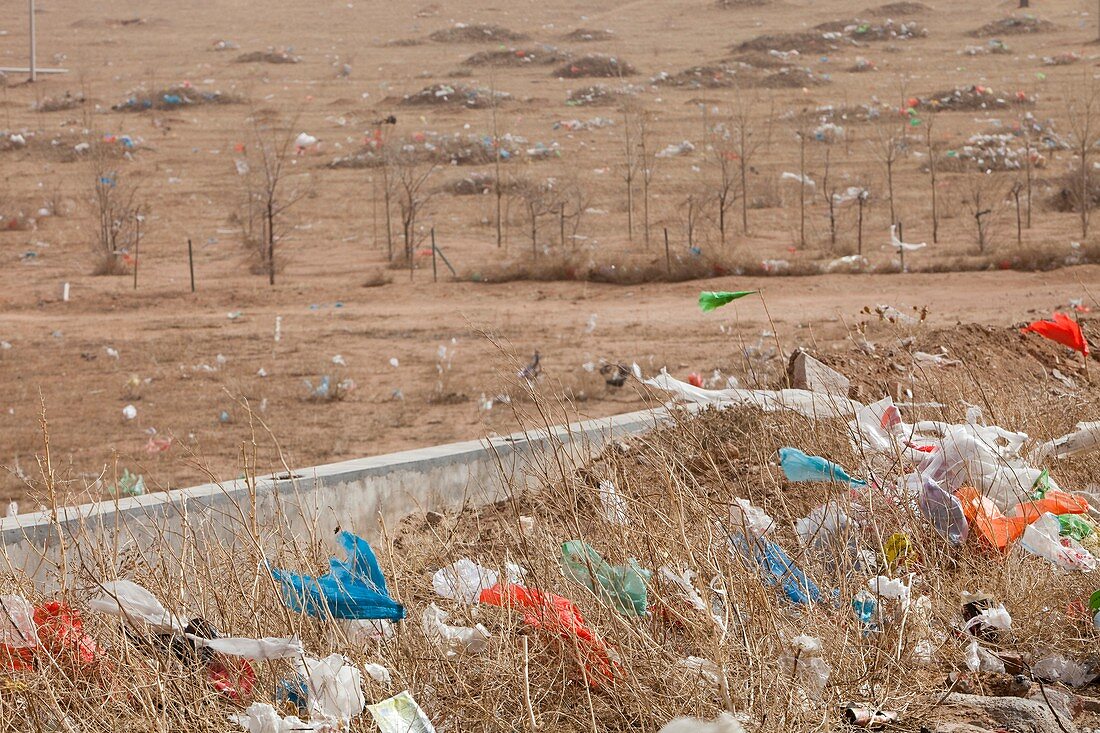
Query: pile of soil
{"points": [[862, 30], [456, 149], [474, 184], [594, 95], [738, 4], [806, 42], [595, 65], [173, 97], [974, 98], [539, 56], [59, 104], [1014, 26], [587, 35], [269, 56], [476, 33], [451, 95], [897, 10]]}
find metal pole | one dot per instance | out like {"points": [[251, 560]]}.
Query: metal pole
{"points": [[34, 72]]}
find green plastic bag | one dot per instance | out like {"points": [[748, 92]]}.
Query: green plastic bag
{"points": [[1073, 525], [623, 585]]}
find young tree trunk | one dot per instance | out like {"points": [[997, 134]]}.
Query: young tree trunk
{"points": [[744, 199], [270, 242], [802, 191], [1027, 174], [890, 189], [859, 228]]}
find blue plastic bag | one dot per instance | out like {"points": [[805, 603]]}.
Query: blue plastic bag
{"points": [[352, 589], [777, 568], [797, 466]]}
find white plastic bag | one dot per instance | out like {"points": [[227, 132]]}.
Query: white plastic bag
{"points": [[17, 627], [613, 503], [464, 580], [378, 673], [682, 578], [980, 660], [258, 649], [334, 687], [133, 603], [1057, 668], [454, 639], [1042, 538], [996, 618], [260, 717], [724, 723], [892, 589], [804, 662], [750, 519], [822, 526], [702, 668], [401, 714]]}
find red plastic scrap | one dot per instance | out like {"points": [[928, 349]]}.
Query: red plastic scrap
{"points": [[560, 616], [60, 635], [236, 679], [1063, 330]]}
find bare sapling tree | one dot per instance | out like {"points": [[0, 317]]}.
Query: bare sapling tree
{"points": [[384, 149], [888, 144], [1015, 190], [747, 143], [982, 195], [629, 164], [1029, 154], [273, 187], [932, 150], [539, 199], [574, 198], [1083, 122], [830, 191], [647, 159], [412, 175], [119, 211], [724, 159]]}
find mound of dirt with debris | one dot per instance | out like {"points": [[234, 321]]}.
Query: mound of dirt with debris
{"points": [[864, 30], [1014, 26], [270, 56], [452, 95], [476, 33], [587, 35], [173, 97], [973, 98], [595, 65], [897, 10], [740, 4], [512, 57], [775, 74]]}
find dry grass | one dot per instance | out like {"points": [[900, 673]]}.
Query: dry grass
{"points": [[587, 35], [678, 485], [508, 57]]}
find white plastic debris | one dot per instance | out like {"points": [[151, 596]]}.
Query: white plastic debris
{"points": [[938, 360], [613, 504], [361, 632], [822, 525], [702, 668], [17, 627], [997, 618], [1084, 439], [259, 649], [1057, 668], [901, 246], [676, 149], [797, 178], [804, 662], [750, 519], [339, 360], [401, 714], [809, 404], [378, 673], [682, 580], [978, 659], [890, 588], [1041, 538], [454, 639], [724, 723], [260, 717], [134, 604], [334, 687], [464, 580], [129, 412], [304, 140]]}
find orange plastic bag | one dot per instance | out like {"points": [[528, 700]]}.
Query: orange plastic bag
{"points": [[994, 527], [560, 616], [1062, 329], [1055, 502]]}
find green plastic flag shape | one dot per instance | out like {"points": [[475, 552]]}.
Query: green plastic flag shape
{"points": [[623, 585], [709, 300]]}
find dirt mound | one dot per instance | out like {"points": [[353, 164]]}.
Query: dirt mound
{"points": [[772, 73], [476, 33], [536, 56], [587, 35], [595, 95], [863, 30], [739, 4], [404, 43], [59, 104], [595, 65], [801, 42], [457, 149], [1014, 26], [173, 97], [270, 56], [969, 99], [897, 10], [451, 95], [474, 184]]}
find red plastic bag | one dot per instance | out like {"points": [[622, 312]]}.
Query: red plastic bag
{"points": [[1062, 329], [560, 616], [61, 636]]}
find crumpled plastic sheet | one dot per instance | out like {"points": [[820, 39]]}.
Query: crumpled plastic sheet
{"points": [[776, 567], [624, 586], [815, 405]]}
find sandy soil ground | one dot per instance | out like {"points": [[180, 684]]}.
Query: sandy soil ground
{"points": [[168, 341]]}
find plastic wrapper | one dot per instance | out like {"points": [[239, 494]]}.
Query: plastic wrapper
{"points": [[724, 723], [1057, 668], [978, 659], [559, 616], [613, 504], [1063, 330], [814, 405], [400, 714], [1041, 538], [943, 511], [1077, 526], [986, 517], [823, 527], [378, 673], [134, 604], [259, 649], [797, 466], [352, 589], [463, 581], [996, 617], [17, 629], [889, 588], [259, 717], [804, 663], [454, 639], [1084, 439], [702, 668], [624, 586], [749, 519]]}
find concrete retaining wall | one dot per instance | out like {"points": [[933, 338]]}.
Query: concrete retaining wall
{"points": [[351, 495]]}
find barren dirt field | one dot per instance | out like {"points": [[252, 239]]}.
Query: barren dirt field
{"points": [[163, 123]]}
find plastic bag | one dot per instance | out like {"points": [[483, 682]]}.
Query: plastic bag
{"points": [[259, 717], [797, 466], [889, 588], [557, 615], [701, 668], [454, 639], [623, 585], [984, 516], [613, 504], [682, 578], [259, 649], [943, 511], [134, 604], [1053, 501], [823, 526], [17, 629], [352, 589], [1057, 668], [333, 687], [378, 673], [749, 519], [978, 659], [1061, 329], [1041, 538], [400, 714], [776, 568], [463, 581], [804, 662], [996, 617], [1076, 526], [724, 723], [814, 405]]}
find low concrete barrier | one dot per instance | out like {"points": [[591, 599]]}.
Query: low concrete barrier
{"points": [[353, 495]]}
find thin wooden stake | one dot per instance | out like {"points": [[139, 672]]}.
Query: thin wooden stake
{"points": [[191, 264], [668, 257], [435, 273]]}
